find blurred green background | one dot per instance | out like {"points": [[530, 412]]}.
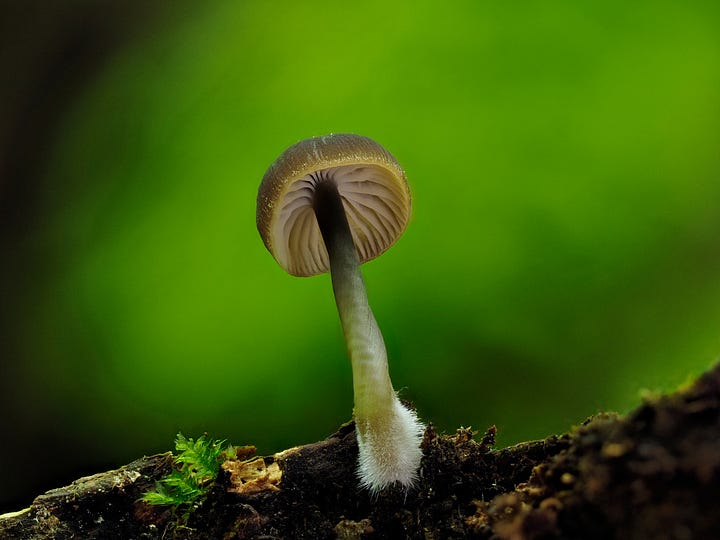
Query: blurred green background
{"points": [[563, 254]]}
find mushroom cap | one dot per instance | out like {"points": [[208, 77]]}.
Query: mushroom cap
{"points": [[372, 186]]}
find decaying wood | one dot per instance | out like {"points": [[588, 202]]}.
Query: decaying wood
{"points": [[654, 473]]}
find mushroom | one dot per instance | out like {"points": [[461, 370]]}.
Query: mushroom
{"points": [[332, 203]]}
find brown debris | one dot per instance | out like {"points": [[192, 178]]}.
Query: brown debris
{"points": [[348, 529], [252, 476]]}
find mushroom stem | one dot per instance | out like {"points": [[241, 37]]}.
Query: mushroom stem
{"points": [[366, 348], [388, 433]]}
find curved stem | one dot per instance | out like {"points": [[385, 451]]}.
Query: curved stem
{"points": [[388, 433], [371, 381]]}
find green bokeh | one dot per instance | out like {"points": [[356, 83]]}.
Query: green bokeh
{"points": [[563, 251]]}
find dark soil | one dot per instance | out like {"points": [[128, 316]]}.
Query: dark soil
{"points": [[654, 474]]}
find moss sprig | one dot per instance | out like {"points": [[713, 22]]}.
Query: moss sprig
{"points": [[198, 465]]}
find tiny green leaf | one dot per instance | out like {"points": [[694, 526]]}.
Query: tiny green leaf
{"points": [[198, 463]]}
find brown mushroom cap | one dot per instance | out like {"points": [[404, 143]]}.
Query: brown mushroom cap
{"points": [[372, 186]]}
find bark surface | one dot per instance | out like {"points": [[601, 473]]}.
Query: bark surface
{"points": [[654, 473]]}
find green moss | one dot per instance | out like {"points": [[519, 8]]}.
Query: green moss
{"points": [[198, 464]]}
